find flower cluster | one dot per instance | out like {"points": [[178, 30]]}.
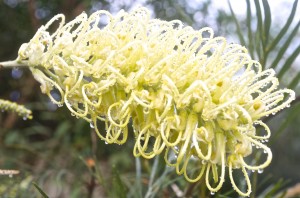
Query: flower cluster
{"points": [[6, 105], [189, 95]]}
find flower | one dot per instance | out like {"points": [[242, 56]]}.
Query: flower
{"points": [[6, 105], [189, 95]]}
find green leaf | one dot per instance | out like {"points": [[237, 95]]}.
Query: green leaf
{"points": [[275, 188], [40, 190], [290, 116], [259, 33], [250, 38], [284, 29], [267, 21], [119, 188], [239, 31], [294, 82], [284, 47], [289, 61]]}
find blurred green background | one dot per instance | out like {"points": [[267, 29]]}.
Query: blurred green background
{"points": [[63, 156]]}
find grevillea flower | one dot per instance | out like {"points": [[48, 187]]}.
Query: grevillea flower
{"points": [[6, 105], [189, 95]]}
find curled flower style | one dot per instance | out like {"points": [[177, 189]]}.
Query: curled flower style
{"points": [[189, 95]]}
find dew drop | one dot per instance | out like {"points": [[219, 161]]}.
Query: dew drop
{"points": [[288, 105], [106, 142], [212, 193], [265, 151], [260, 171], [24, 118], [72, 114], [266, 140], [253, 171], [92, 125]]}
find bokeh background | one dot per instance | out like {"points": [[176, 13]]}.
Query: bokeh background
{"points": [[62, 154]]}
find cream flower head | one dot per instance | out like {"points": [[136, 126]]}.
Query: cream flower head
{"points": [[189, 95]]}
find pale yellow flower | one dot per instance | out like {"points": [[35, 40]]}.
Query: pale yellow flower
{"points": [[190, 95], [6, 105]]}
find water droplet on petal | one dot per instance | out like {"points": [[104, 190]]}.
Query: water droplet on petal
{"points": [[260, 171], [92, 125], [212, 193]]}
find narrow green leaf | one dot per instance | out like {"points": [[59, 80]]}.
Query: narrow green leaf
{"points": [[275, 188], [285, 46], [239, 31], [259, 20], [250, 38], [290, 116], [267, 21], [258, 47], [40, 190], [289, 61], [119, 187], [259, 41], [284, 29], [258, 14], [294, 82]]}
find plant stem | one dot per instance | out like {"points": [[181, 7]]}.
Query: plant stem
{"points": [[152, 176], [14, 63], [138, 176]]}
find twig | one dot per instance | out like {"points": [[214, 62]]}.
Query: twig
{"points": [[91, 186], [13, 63]]}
